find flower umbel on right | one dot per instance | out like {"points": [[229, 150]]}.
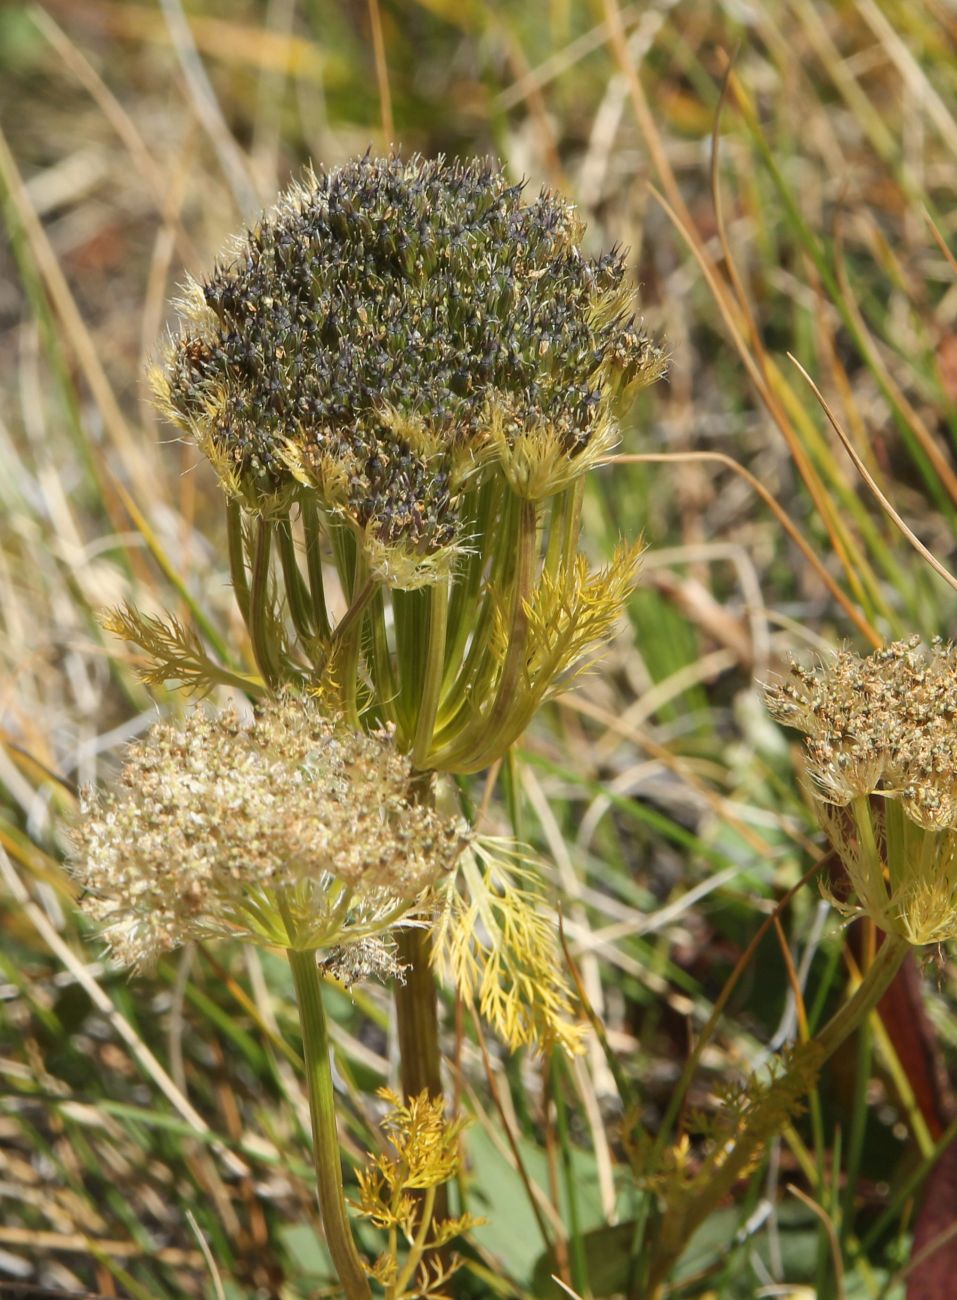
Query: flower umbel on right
{"points": [[881, 747]]}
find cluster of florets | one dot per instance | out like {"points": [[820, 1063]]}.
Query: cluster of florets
{"points": [[286, 829], [390, 328], [884, 724], [881, 743]]}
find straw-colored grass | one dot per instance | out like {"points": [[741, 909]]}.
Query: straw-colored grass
{"points": [[783, 175]]}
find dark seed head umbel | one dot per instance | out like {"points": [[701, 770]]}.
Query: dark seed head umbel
{"points": [[392, 329]]}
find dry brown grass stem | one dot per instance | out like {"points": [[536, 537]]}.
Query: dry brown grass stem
{"points": [[382, 74], [84, 347], [792, 530], [766, 380], [122, 123], [868, 478]]}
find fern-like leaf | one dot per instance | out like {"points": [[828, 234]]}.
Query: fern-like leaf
{"points": [[174, 652], [495, 940]]}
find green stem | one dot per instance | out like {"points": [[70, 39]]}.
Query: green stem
{"points": [[471, 671], [418, 1246], [417, 1007], [385, 688], [417, 1017], [297, 595], [260, 622], [676, 1229], [486, 738], [434, 667], [579, 1260], [500, 729], [325, 1141], [347, 639], [887, 962], [310, 527], [479, 508], [417, 1023], [237, 557]]}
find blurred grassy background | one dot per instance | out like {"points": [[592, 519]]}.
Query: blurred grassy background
{"points": [[152, 1134]]}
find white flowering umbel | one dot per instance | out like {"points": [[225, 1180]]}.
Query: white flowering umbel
{"points": [[881, 743], [288, 830]]}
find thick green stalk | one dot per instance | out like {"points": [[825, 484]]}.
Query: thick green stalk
{"points": [[416, 1005], [676, 1229], [417, 1011], [325, 1140], [417, 1020]]}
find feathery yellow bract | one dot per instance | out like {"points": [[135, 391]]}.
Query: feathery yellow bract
{"points": [[496, 939], [397, 1193], [571, 615]]}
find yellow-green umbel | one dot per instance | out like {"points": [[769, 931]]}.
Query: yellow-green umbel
{"points": [[423, 366], [881, 742]]}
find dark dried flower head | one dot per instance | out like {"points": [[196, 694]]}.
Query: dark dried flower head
{"points": [[289, 830], [881, 741], [393, 327]]}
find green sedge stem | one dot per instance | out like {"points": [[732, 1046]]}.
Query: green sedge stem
{"points": [[325, 1141]]}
